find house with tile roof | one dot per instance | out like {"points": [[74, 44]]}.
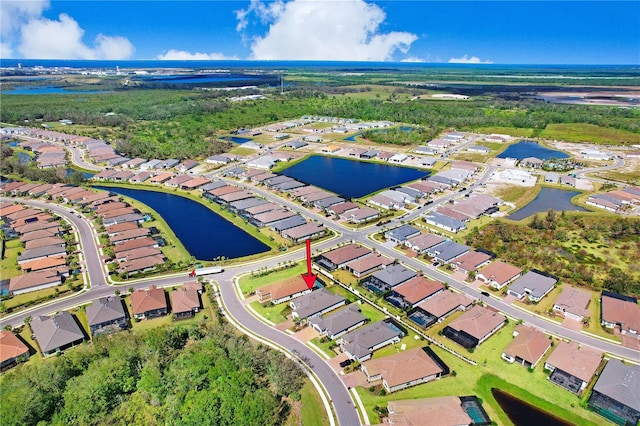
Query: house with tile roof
{"points": [[498, 274], [573, 303], [527, 347], [339, 322], [444, 304], [474, 326], [405, 369], [616, 394], [533, 285], [410, 293], [56, 333], [283, 291], [149, 303], [12, 349], [32, 281], [339, 257], [421, 244], [573, 366], [185, 301], [441, 411], [617, 310], [317, 302], [359, 344], [106, 315], [367, 264]]}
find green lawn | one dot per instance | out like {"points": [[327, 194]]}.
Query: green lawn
{"points": [[9, 266], [312, 411], [249, 283], [35, 297], [324, 346], [274, 313], [580, 132], [525, 132]]}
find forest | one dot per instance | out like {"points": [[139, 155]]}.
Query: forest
{"points": [[201, 374]]}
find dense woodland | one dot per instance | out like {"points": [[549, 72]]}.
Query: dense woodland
{"points": [[602, 252], [180, 375]]}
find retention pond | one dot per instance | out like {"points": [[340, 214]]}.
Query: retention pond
{"points": [[522, 413]]}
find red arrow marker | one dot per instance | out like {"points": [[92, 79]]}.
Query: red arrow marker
{"points": [[310, 278]]}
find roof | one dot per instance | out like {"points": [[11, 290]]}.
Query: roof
{"points": [[273, 216], [574, 300], [340, 320], [449, 250], [315, 302], [444, 302], [403, 232], [471, 260], [56, 331], [284, 288], [303, 230], [620, 382], [104, 310], [11, 346], [581, 362], [44, 263], [184, 299], [619, 311], [34, 279], [346, 253], [403, 367], [366, 263], [343, 207], [536, 283], [394, 274], [425, 241], [442, 220], [360, 341], [477, 322], [441, 411], [500, 272], [418, 288], [148, 300], [290, 222], [530, 344]]}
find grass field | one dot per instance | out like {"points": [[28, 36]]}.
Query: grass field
{"points": [[581, 132], [524, 132], [310, 410], [274, 313], [8, 266], [249, 283]]}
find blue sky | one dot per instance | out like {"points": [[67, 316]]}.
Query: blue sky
{"points": [[501, 32]]}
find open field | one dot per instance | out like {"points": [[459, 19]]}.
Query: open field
{"points": [[8, 266], [250, 283], [582, 132]]}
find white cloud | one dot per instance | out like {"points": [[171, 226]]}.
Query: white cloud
{"points": [[413, 59], [468, 60], [182, 55], [43, 38], [14, 14], [323, 30]]}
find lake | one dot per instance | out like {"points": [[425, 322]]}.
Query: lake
{"points": [[205, 234], [350, 178], [236, 139], [522, 413], [525, 149], [548, 198], [48, 90]]}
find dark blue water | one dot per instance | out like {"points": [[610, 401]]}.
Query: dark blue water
{"points": [[524, 414], [69, 172], [548, 198], [349, 178], [205, 234], [352, 138], [237, 139], [48, 90], [525, 149], [23, 158]]}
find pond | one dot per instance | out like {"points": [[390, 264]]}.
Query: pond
{"points": [[236, 139], [548, 198], [349, 178], [205, 234], [69, 172], [522, 413], [525, 149], [48, 90]]}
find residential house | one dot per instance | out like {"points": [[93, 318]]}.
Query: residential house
{"points": [[474, 326], [440, 411], [385, 202], [359, 344], [534, 285], [388, 278], [304, 232], [573, 303], [367, 264], [341, 208], [290, 222], [616, 394], [620, 311], [186, 165], [412, 292], [361, 215], [471, 261], [443, 304], [405, 369], [283, 291], [527, 347], [498, 274], [339, 257], [33, 281], [573, 366], [448, 251], [12, 349], [445, 222], [106, 315], [315, 303], [401, 234], [421, 244], [56, 333], [338, 323], [143, 264], [269, 218], [149, 303], [185, 301]]}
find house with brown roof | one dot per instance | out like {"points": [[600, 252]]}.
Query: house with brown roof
{"points": [[149, 303], [367, 264], [498, 274], [474, 326], [44, 242], [621, 311], [270, 218], [471, 261], [185, 302], [134, 244], [304, 232], [410, 293], [573, 366], [33, 281], [360, 215], [421, 244], [12, 349], [43, 264], [143, 264], [131, 234], [137, 253], [444, 304], [283, 291], [440, 411], [405, 369], [527, 347], [339, 257], [573, 303], [42, 233]]}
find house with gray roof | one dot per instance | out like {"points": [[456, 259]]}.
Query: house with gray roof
{"points": [[41, 252], [212, 185], [533, 284], [167, 164], [388, 278], [412, 192], [218, 159], [360, 343], [241, 205], [444, 222], [56, 333], [425, 150], [317, 302], [291, 222], [276, 180], [296, 144], [401, 234], [106, 315], [336, 324], [325, 203], [616, 394], [447, 251], [130, 217], [288, 186]]}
